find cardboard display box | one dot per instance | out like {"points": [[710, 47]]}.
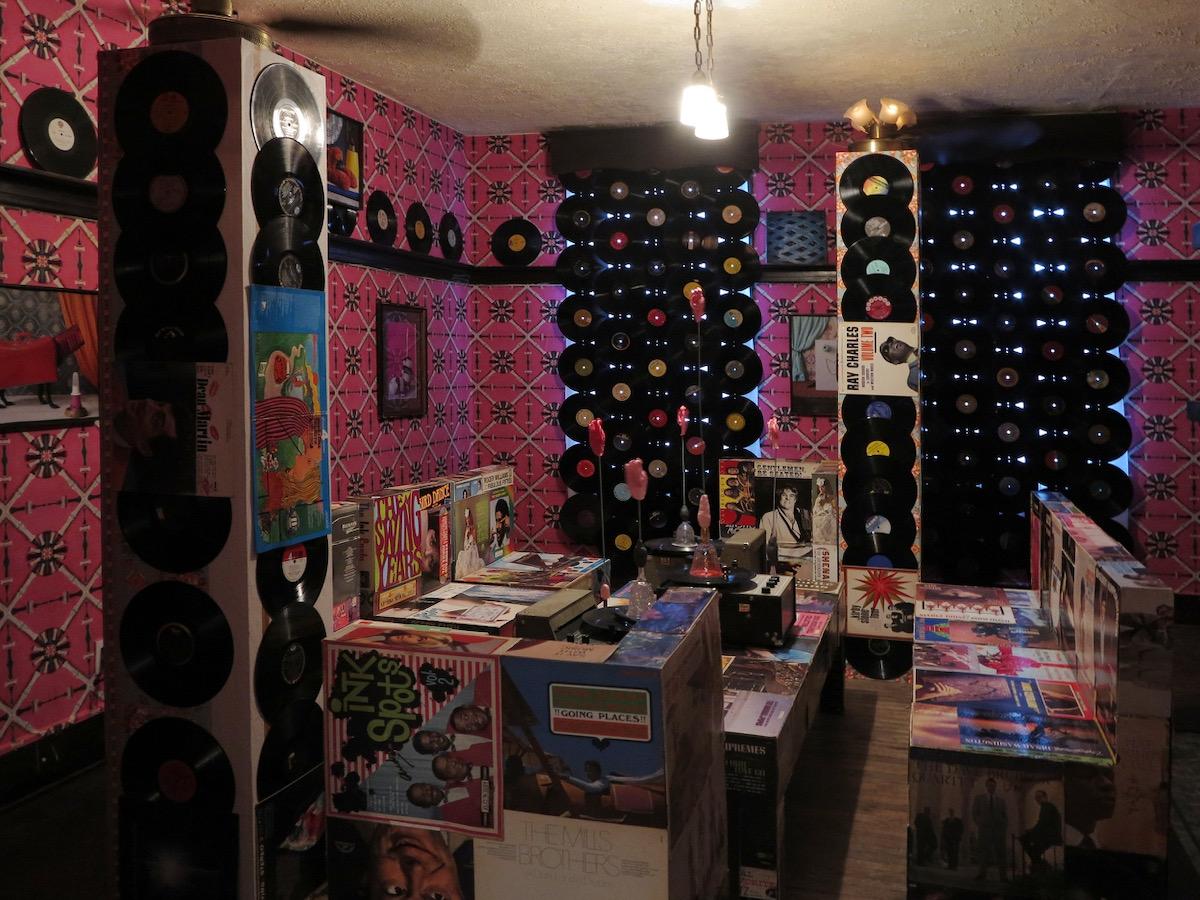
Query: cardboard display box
{"points": [[604, 762]]}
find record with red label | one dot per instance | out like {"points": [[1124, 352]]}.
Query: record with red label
{"points": [[176, 762], [292, 574], [171, 104], [878, 298], [580, 518]]}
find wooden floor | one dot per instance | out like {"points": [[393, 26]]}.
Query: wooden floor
{"points": [[847, 804]]}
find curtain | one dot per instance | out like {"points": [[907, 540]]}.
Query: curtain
{"points": [[805, 331], [80, 309]]}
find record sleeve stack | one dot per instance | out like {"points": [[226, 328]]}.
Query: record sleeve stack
{"points": [[878, 372], [1023, 383], [210, 190], [638, 245]]}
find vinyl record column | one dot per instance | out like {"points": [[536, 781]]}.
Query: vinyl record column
{"points": [[879, 346], [210, 651]]}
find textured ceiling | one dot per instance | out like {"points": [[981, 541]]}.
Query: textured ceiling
{"points": [[523, 66]]}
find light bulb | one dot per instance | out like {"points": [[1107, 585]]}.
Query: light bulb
{"points": [[713, 126], [697, 97]]}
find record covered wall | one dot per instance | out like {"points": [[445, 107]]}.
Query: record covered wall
{"points": [[494, 391]]}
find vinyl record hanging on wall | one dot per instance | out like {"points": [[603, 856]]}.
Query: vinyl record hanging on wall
{"points": [[57, 133], [382, 225], [287, 667], [516, 242], [286, 254], [285, 181], [177, 762], [292, 574], [174, 533], [162, 192], [450, 238], [418, 228], [171, 104], [876, 175], [293, 745], [186, 266], [164, 333], [283, 106]]}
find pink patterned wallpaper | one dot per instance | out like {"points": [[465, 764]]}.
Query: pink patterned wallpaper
{"points": [[494, 393]]}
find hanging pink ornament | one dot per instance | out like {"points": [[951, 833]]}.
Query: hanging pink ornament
{"points": [[636, 479], [596, 436], [704, 513], [696, 301], [773, 432], [682, 418]]}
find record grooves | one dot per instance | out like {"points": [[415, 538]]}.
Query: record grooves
{"points": [[170, 104], [878, 658], [293, 746], [287, 667], [175, 761], [285, 181], [285, 254], [176, 643], [382, 225], [174, 533], [293, 574]]}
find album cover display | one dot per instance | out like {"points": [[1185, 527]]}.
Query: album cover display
{"points": [[289, 423]]}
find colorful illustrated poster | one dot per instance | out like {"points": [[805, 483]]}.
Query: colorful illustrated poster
{"points": [[289, 421]]}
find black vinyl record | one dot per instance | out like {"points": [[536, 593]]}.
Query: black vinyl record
{"points": [[382, 224], [176, 643], [286, 254], [579, 468], [1098, 212], [418, 228], [879, 256], [171, 104], [516, 242], [739, 369], [285, 182], [283, 106], [901, 412], [877, 437], [577, 317], [576, 267], [450, 238], [1102, 491], [292, 574], [287, 667], [167, 333], [879, 552], [880, 216], [174, 533], [878, 520], [577, 412], [1104, 266], [294, 745], [1107, 432], [576, 217], [57, 133], [168, 191], [1106, 324], [873, 175], [738, 265], [341, 220], [880, 476], [580, 518], [176, 762], [739, 318], [738, 422], [737, 213], [152, 266], [878, 658], [878, 298], [1106, 378], [577, 367]]}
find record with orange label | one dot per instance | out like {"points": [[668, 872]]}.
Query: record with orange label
{"points": [[171, 104], [875, 175], [516, 242], [176, 762], [418, 228]]}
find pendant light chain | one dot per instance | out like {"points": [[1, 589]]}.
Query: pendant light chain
{"points": [[696, 35], [709, 38]]}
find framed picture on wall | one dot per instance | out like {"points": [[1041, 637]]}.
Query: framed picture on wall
{"points": [[48, 363], [813, 365], [343, 163], [403, 381]]}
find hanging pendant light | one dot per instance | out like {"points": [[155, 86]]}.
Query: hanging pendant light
{"points": [[700, 107]]}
